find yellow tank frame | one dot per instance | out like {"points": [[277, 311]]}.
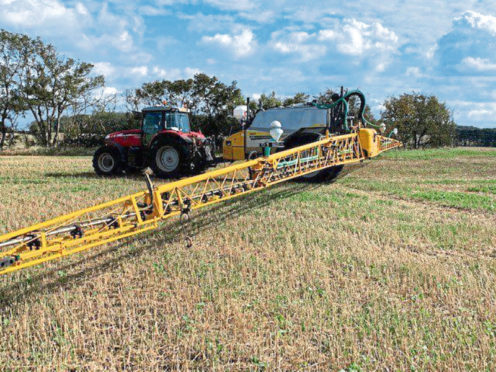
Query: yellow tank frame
{"points": [[143, 211]]}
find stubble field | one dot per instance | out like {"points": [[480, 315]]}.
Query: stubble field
{"points": [[392, 266]]}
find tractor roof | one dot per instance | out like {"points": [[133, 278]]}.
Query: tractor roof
{"points": [[165, 108]]}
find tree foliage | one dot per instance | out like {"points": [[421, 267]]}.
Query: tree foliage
{"points": [[421, 120], [297, 99], [52, 85], [211, 102], [35, 78], [12, 63], [269, 101], [89, 130], [472, 136]]}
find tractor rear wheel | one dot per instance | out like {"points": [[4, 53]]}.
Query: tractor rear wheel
{"points": [[107, 161], [168, 158]]}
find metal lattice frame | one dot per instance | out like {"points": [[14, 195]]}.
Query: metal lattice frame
{"points": [[143, 211]]}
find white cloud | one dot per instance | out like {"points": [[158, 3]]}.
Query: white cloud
{"points": [[144, 72], [109, 91], [81, 9], [139, 70], [34, 13], [74, 24], [327, 35], [479, 21], [381, 66], [240, 44], [469, 48], [122, 41], [477, 113], [104, 68], [149, 10], [159, 72], [298, 42], [479, 64], [260, 16], [482, 111], [349, 37], [356, 38], [125, 41], [431, 51]]}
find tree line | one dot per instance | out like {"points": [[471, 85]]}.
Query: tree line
{"points": [[472, 136], [64, 95]]}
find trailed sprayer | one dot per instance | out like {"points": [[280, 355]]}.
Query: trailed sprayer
{"points": [[330, 139]]}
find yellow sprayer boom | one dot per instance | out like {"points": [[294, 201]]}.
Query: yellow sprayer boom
{"points": [[143, 211]]}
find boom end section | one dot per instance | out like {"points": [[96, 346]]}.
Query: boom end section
{"points": [[373, 144]]}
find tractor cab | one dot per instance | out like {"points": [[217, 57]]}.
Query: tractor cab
{"points": [[158, 119]]}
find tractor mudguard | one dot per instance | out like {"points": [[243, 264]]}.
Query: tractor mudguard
{"points": [[183, 141]]}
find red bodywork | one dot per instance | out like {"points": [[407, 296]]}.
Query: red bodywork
{"points": [[132, 137]]}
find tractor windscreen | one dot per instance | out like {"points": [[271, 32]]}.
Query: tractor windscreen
{"points": [[177, 120]]}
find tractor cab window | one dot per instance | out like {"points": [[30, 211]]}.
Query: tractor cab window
{"points": [[152, 122], [177, 121]]}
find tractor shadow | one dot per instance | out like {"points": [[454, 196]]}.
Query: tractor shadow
{"points": [[133, 175], [14, 293]]}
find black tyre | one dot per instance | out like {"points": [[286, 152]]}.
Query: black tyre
{"points": [[304, 138], [169, 158], [107, 161]]}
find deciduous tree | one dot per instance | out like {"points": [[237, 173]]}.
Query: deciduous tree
{"points": [[421, 120], [12, 64], [210, 100], [52, 84]]}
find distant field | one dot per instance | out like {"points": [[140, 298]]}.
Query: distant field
{"points": [[393, 266]]}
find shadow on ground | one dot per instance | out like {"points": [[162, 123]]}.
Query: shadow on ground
{"points": [[16, 293], [92, 175]]}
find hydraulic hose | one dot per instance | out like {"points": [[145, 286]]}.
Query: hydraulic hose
{"points": [[344, 101]]}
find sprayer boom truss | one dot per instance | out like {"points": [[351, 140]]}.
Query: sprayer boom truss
{"points": [[143, 211]]}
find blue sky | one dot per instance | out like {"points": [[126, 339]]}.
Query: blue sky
{"points": [[446, 48]]}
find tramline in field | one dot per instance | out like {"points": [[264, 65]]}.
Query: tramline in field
{"points": [[144, 211]]}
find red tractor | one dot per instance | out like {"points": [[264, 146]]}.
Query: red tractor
{"points": [[165, 143]]}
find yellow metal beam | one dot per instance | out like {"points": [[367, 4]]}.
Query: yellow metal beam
{"points": [[143, 211]]}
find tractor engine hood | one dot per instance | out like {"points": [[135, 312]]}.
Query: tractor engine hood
{"points": [[129, 137], [123, 133]]}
